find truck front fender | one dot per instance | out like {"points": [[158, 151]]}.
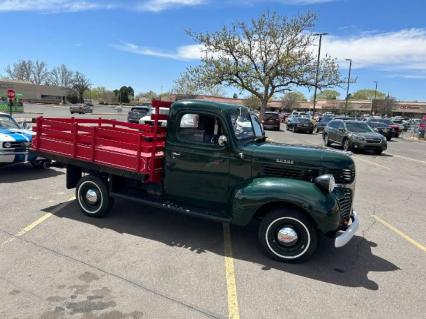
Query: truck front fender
{"points": [[251, 197]]}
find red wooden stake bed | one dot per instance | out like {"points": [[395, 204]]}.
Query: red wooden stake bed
{"points": [[120, 145]]}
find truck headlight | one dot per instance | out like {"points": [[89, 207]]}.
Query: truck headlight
{"points": [[7, 145], [325, 182]]}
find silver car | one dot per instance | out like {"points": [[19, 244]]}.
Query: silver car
{"points": [[81, 108]]}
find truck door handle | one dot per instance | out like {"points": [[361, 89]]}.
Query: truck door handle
{"points": [[174, 154]]}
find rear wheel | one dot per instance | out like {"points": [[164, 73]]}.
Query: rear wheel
{"points": [[93, 196], [288, 235], [37, 164]]}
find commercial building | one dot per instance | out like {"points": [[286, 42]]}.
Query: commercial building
{"points": [[408, 109], [35, 93]]}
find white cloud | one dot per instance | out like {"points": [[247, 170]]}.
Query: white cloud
{"points": [[186, 52], [49, 5], [160, 5], [404, 49]]}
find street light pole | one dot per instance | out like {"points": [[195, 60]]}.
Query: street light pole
{"points": [[317, 73], [375, 90], [347, 89]]}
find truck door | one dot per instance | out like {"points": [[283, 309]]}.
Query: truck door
{"points": [[197, 168]]}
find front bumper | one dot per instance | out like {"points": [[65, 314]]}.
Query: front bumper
{"points": [[343, 237], [369, 146]]}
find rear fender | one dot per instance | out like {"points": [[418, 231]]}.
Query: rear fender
{"points": [[306, 196]]}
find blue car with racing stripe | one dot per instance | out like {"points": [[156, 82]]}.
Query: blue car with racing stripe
{"points": [[15, 142]]}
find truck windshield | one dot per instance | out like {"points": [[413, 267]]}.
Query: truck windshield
{"points": [[242, 124], [358, 128], [8, 122]]}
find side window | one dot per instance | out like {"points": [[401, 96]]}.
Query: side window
{"points": [[199, 128], [333, 124], [341, 125]]}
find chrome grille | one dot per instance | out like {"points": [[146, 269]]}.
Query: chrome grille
{"points": [[373, 140], [343, 176], [345, 204], [16, 145], [296, 173]]}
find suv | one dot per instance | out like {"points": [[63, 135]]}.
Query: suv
{"points": [[271, 120], [322, 123], [354, 135], [137, 112], [81, 108]]}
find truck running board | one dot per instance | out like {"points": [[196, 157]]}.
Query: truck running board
{"points": [[162, 204]]}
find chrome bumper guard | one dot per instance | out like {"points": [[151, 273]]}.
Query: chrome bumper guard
{"points": [[343, 237]]}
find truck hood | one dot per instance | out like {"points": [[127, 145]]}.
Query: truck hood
{"points": [[307, 161]]}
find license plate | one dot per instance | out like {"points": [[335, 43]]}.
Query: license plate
{"points": [[305, 125]]}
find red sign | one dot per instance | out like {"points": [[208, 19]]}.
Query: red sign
{"points": [[11, 94]]}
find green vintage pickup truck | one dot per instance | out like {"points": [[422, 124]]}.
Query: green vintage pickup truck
{"points": [[211, 161]]}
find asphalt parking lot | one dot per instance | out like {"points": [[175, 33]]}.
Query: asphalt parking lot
{"points": [[141, 262]]}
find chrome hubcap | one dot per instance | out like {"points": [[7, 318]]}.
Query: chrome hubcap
{"points": [[287, 236], [91, 196]]}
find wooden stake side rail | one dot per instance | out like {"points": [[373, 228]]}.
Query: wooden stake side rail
{"points": [[131, 147]]}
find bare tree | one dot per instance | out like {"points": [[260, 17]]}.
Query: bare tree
{"points": [[61, 76], [267, 56], [186, 85], [80, 84], [22, 70], [40, 73]]}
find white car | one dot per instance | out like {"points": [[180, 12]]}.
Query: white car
{"points": [[15, 142], [147, 118]]}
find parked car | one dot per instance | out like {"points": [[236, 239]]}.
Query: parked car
{"points": [[322, 123], [397, 130], [219, 168], [383, 129], [15, 142], [354, 135], [137, 112], [148, 120], [271, 121], [422, 126], [301, 124], [81, 108]]}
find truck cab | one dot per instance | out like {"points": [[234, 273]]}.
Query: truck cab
{"points": [[217, 164]]}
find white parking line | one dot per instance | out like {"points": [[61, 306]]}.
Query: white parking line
{"points": [[37, 222], [409, 158], [371, 162]]}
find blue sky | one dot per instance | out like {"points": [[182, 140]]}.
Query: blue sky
{"points": [[144, 44]]}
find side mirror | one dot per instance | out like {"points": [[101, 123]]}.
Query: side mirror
{"points": [[222, 140]]}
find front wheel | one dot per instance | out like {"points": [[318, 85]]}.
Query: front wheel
{"points": [[347, 145], [93, 196], [288, 235], [326, 140], [378, 152]]}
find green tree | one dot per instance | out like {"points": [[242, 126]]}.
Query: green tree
{"points": [[235, 96], [150, 95], [328, 95], [252, 102], [265, 57], [367, 94], [291, 100], [124, 94]]}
